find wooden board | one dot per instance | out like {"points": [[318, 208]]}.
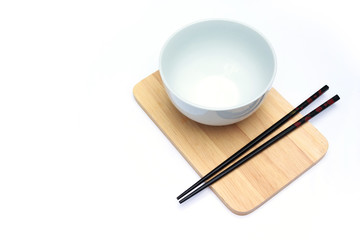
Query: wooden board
{"points": [[204, 147]]}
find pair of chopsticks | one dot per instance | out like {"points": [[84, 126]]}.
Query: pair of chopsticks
{"points": [[204, 182]]}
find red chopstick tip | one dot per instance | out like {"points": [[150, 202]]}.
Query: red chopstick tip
{"points": [[333, 100], [323, 89]]}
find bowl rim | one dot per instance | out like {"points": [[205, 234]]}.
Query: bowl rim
{"points": [[268, 87]]}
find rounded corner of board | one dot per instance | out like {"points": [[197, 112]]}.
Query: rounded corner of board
{"points": [[241, 212], [135, 89]]}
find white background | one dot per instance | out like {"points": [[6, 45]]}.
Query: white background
{"points": [[79, 159]]}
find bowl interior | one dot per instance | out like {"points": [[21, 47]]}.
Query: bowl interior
{"points": [[217, 64]]}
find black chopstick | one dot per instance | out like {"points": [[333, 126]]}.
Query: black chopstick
{"points": [[257, 139], [264, 146]]}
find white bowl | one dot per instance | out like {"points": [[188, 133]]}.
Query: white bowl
{"points": [[217, 72]]}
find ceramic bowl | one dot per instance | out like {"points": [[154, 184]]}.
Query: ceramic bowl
{"points": [[217, 72]]}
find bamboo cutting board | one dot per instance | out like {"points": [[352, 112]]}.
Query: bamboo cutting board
{"points": [[204, 147]]}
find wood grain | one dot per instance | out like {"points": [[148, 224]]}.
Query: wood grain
{"points": [[204, 147]]}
